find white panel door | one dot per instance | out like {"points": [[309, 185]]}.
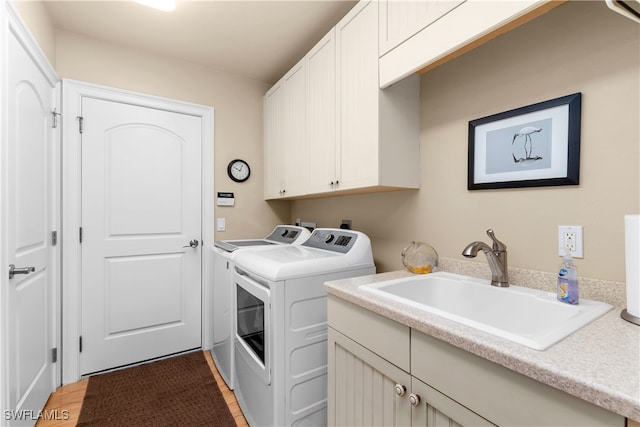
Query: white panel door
{"points": [[141, 206], [31, 203]]}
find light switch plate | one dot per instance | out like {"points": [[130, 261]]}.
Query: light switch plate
{"points": [[221, 224]]}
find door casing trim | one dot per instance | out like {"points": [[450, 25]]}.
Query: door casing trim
{"points": [[12, 22], [72, 93]]}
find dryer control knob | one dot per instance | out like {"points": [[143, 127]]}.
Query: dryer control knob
{"points": [[328, 238]]}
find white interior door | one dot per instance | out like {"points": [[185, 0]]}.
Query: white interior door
{"points": [[141, 206], [30, 207]]}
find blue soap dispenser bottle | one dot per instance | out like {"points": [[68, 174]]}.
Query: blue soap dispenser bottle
{"points": [[568, 281]]}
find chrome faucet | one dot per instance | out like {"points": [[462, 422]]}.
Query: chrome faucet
{"points": [[496, 256]]}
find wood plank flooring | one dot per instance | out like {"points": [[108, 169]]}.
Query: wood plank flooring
{"points": [[66, 401]]}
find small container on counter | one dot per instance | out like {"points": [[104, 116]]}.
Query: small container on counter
{"points": [[419, 258]]}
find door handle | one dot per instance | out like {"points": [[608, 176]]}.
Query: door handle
{"points": [[13, 270], [192, 244]]}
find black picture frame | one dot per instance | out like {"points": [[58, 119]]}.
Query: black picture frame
{"points": [[533, 146]]}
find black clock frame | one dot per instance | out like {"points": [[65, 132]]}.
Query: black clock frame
{"points": [[233, 178]]}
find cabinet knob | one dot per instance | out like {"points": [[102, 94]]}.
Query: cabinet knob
{"points": [[331, 183], [414, 399], [401, 390]]}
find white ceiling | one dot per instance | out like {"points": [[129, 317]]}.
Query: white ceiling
{"points": [[259, 39]]}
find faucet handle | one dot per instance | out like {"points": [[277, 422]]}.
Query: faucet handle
{"points": [[497, 244]]}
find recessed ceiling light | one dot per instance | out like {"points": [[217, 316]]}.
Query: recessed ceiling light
{"points": [[164, 5]]}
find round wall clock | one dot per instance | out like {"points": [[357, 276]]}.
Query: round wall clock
{"points": [[238, 170]]}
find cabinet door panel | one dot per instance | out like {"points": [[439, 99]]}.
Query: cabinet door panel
{"points": [[399, 20], [322, 114], [295, 122], [273, 142], [362, 386], [437, 410], [357, 50]]}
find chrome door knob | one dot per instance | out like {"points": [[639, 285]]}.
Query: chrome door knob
{"points": [[400, 390], [13, 270], [192, 244]]}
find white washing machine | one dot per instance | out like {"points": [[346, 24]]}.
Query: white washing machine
{"points": [[281, 324], [224, 253]]}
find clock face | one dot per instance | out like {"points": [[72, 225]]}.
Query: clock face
{"points": [[238, 170]]}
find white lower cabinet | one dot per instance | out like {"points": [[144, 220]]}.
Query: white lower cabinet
{"points": [[385, 373], [363, 391], [368, 390], [433, 409]]}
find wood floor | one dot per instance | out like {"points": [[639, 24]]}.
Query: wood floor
{"points": [[68, 398]]}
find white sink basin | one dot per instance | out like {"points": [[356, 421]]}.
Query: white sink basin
{"points": [[526, 316]]}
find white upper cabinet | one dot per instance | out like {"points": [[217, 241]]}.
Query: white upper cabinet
{"points": [[322, 117], [447, 30], [378, 129], [295, 129], [358, 96], [285, 144], [401, 19], [342, 134], [273, 142]]}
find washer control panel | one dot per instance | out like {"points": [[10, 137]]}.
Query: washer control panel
{"points": [[284, 234], [336, 240]]}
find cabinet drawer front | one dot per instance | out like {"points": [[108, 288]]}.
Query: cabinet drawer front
{"points": [[383, 336], [499, 394]]}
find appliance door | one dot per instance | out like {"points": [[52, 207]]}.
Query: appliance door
{"points": [[253, 324]]}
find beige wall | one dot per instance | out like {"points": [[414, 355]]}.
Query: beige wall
{"points": [[40, 25], [237, 104], [557, 54], [579, 47]]}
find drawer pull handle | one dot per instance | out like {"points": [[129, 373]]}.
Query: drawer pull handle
{"points": [[414, 399]]}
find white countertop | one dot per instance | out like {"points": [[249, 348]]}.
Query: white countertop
{"points": [[600, 363]]}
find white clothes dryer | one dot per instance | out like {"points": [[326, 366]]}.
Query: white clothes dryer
{"points": [[281, 324], [224, 253]]}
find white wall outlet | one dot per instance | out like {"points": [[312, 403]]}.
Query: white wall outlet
{"points": [[221, 224], [570, 239]]}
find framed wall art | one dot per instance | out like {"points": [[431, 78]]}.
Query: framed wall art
{"points": [[533, 146]]}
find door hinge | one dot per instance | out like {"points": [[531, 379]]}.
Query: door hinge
{"points": [[54, 115], [54, 238], [80, 343], [80, 234], [80, 123], [54, 355]]}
